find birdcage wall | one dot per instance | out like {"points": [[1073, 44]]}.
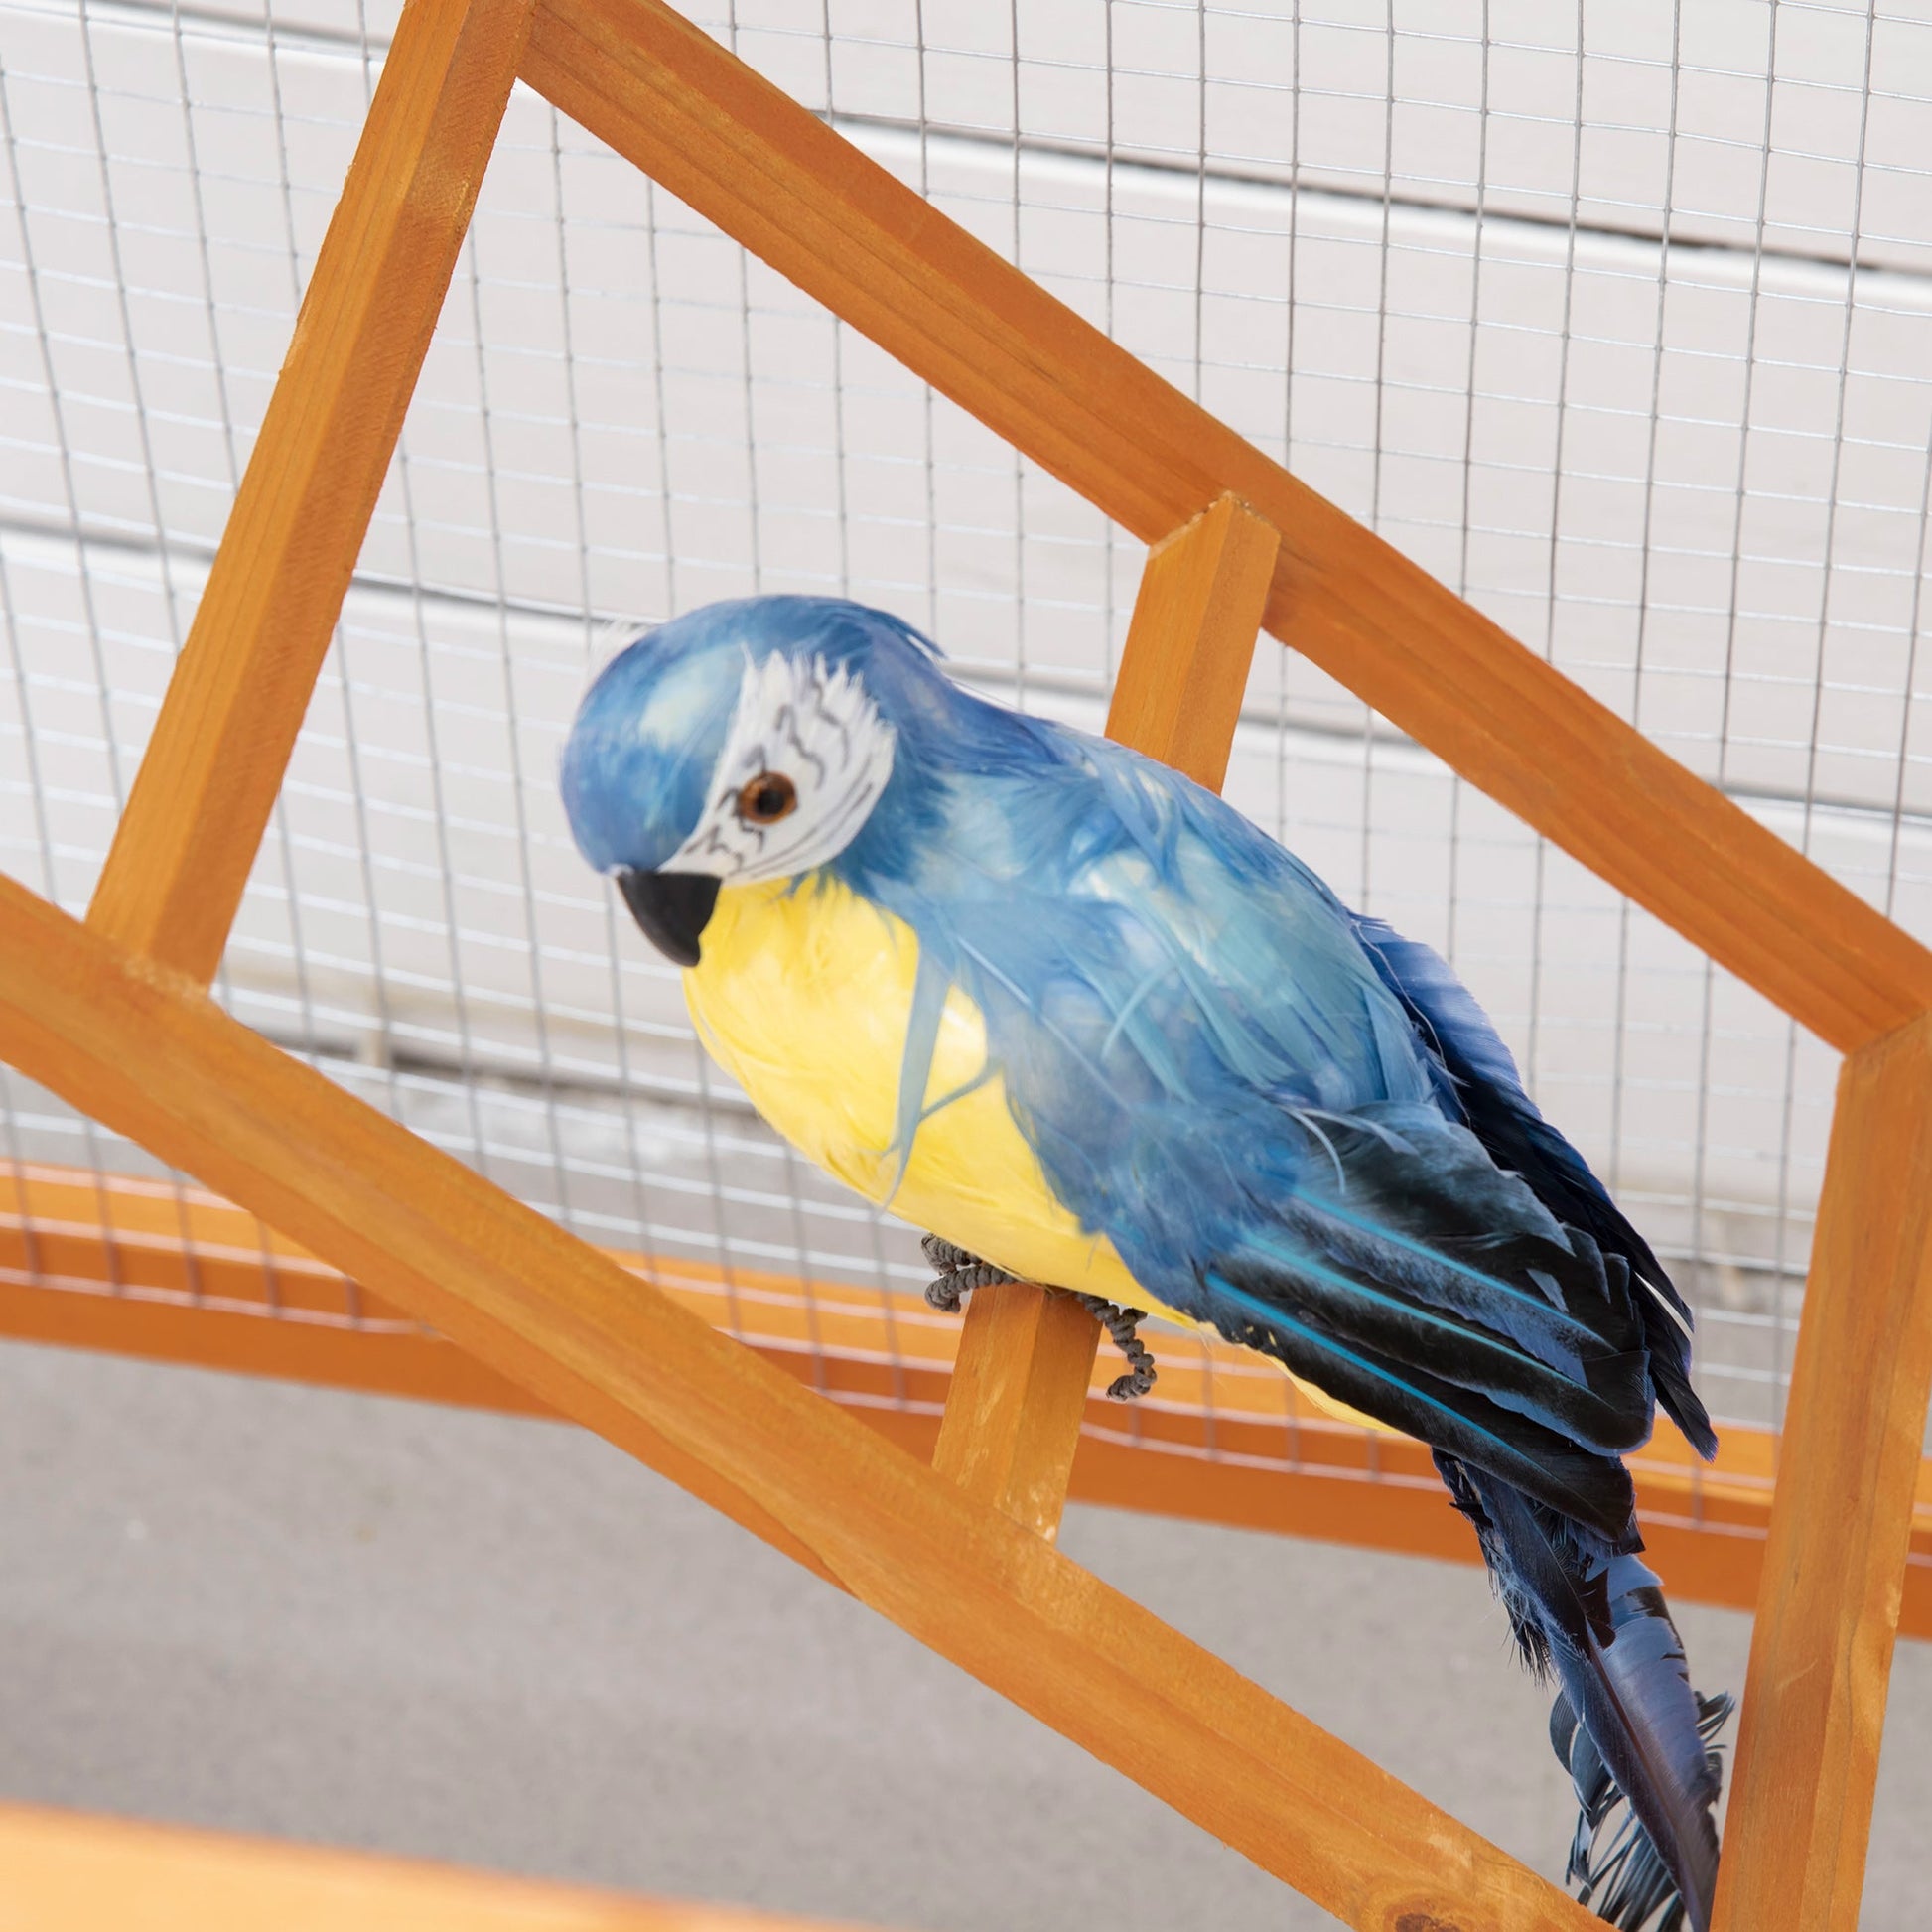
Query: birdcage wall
{"points": [[1618, 385]]}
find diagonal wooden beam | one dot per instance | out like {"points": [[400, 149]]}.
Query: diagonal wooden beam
{"points": [[148, 1053], [1025, 1356], [776, 179], [1842, 1516], [207, 782]]}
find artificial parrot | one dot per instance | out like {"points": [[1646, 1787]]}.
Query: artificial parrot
{"points": [[1080, 1019]]}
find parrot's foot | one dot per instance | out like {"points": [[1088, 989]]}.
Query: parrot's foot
{"points": [[961, 1272], [1123, 1324]]}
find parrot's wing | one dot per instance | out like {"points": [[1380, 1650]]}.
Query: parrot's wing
{"points": [[1215, 1075], [1405, 1274], [1480, 1085]]}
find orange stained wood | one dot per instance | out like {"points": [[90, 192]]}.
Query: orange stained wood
{"points": [[1016, 1401], [144, 1268], [66, 1872], [1027, 1356], [1191, 642], [1841, 1523], [183, 848], [147, 1052], [776, 179]]}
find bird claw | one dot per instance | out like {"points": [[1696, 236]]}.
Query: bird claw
{"points": [[1123, 1326], [961, 1272]]}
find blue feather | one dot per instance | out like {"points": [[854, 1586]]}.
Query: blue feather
{"points": [[1479, 1081], [929, 991]]}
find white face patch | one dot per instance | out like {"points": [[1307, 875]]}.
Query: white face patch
{"points": [[803, 764]]}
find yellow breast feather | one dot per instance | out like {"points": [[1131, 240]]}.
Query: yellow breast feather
{"points": [[804, 998], [803, 995]]}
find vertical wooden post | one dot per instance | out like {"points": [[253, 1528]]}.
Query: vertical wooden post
{"points": [[1191, 640], [1013, 1409], [183, 848], [1025, 1356], [1841, 1522]]}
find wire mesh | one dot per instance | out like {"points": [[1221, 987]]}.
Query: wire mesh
{"points": [[1617, 317]]}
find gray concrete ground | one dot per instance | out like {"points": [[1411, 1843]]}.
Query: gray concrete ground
{"points": [[374, 1623]]}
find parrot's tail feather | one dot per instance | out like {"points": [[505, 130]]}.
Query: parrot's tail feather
{"points": [[1613, 1863], [1627, 1724]]}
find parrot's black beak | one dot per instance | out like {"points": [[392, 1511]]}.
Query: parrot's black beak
{"points": [[672, 908]]}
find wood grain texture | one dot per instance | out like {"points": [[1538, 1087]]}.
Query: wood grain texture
{"points": [[66, 1872], [806, 202], [1017, 1400], [1026, 1357], [1841, 1521], [145, 1052], [185, 845], [1191, 641]]}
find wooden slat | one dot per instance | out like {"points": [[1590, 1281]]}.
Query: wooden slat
{"points": [[1025, 1356], [1841, 1523], [1016, 1402], [147, 1053], [806, 201], [1191, 641], [183, 848], [65, 1872]]}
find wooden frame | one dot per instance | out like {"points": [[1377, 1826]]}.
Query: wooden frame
{"points": [[116, 1018]]}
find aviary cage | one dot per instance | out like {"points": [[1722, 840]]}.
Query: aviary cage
{"points": [[1615, 326]]}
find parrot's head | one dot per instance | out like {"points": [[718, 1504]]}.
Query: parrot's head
{"points": [[742, 741]]}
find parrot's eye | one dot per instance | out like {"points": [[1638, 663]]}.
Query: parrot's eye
{"points": [[769, 797]]}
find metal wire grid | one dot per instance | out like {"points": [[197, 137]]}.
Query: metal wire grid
{"points": [[1565, 306]]}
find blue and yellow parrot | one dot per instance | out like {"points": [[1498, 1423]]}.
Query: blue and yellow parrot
{"points": [[1080, 1019]]}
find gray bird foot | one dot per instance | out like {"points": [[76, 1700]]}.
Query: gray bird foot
{"points": [[1123, 1326], [961, 1272]]}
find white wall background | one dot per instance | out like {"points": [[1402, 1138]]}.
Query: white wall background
{"points": [[1617, 317]]}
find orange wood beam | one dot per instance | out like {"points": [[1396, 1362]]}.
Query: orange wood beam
{"points": [[1842, 1520], [1027, 1356], [66, 1872], [802, 199], [186, 841], [146, 1052]]}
